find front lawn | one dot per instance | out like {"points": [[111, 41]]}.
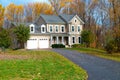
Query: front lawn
{"points": [[38, 65], [99, 53]]}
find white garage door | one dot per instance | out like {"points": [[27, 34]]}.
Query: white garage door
{"points": [[32, 44], [44, 43]]}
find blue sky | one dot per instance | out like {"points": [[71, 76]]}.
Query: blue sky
{"points": [[18, 2]]}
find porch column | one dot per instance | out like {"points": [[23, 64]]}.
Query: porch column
{"points": [[62, 40], [69, 40], [51, 39], [57, 39]]}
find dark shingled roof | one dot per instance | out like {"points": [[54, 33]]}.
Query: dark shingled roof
{"points": [[66, 17], [52, 19]]}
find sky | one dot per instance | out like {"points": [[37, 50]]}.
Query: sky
{"points": [[18, 2]]}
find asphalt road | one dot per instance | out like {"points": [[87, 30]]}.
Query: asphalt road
{"points": [[97, 68]]}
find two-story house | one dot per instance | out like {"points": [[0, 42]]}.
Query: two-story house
{"points": [[52, 29]]}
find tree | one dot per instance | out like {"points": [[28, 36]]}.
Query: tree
{"points": [[1, 15], [5, 40], [22, 34], [87, 37], [33, 10], [14, 13], [58, 5]]}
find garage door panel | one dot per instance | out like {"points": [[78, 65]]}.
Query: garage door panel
{"points": [[32, 44], [43, 43]]}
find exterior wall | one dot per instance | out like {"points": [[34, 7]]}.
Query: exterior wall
{"points": [[76, 39]]}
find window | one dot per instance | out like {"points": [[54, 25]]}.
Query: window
{"points": [[75, 20], [78, 28], [43, 29], [56, 28], [31, 28], [73, 29], [79, 39], [51, 29], [73, 39], [62, 29]]}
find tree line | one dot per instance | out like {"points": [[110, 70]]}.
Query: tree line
{"points": [[101, 17]]}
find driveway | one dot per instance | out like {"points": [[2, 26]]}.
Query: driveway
{"points": [[97, 68]]}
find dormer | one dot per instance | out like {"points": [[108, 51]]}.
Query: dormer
{"points": [[32, 28]]}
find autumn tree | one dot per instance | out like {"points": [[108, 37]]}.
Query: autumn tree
{"points": [[58, 5], [1, 15], [33, 10], [14, 13]]}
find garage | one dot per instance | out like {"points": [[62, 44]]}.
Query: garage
{"points": [[38, 43], [32, 44], [43, 43]]}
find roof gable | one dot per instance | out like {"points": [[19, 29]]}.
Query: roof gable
{"points": [[68, 18]]}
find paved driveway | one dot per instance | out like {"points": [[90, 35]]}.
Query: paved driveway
{"points": [[97, 68]]}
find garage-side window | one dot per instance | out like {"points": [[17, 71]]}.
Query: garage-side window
{"points": [[32, 28], [43, 30]]}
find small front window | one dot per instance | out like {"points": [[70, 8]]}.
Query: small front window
{"points": [[62, 29], [79, 39], [73, 29], [73, 39]]}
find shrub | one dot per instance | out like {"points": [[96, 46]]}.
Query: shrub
{"points": [[110, 47], [58, 46], [78, 45]]}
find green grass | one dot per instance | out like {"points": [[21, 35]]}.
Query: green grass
{"points": [[99, 53], [39, 65]]}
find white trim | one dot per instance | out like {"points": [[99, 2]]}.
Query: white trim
{"points": [[61, 28], [49, 28], [57, 28], [43, 26]]}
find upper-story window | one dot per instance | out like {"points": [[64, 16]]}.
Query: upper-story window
{"points": [[32, 28], [78, 28], [62, 28], [56, 28], [73, 28], [43, 29], [51, 28]]}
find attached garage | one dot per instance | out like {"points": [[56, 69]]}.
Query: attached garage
{"points": [[38, 43]]}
